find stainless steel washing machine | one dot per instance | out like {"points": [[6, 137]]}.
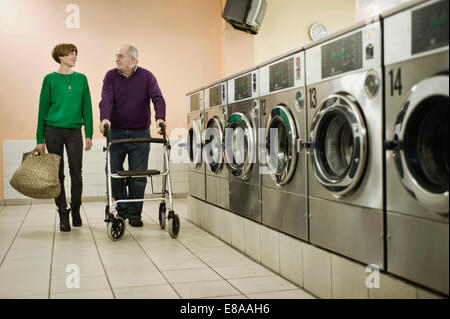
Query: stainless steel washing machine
{"points": [[241, 142], [217, 176], [195, 124], [345, 128], [417, 142], [282, 155]]}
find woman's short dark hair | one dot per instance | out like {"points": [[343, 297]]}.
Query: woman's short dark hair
{"points": [[63, 49]]}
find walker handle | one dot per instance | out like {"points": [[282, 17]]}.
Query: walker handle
{"points": [[106, 130]]}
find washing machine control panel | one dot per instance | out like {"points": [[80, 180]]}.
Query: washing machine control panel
{"points": [[430, 27], [343, 55], [195, 102], [286, 73], [243, 87], [356, 50], [418, 31], [216, 95], [281, 75]]}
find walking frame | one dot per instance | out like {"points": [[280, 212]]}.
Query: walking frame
{"points": [[116, 224]]}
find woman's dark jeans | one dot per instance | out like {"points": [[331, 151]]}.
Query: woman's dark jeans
{"points": [[137, 160], [55, 140]]}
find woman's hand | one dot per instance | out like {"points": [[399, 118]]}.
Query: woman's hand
{"points": [[88, 144], [40, 148]]}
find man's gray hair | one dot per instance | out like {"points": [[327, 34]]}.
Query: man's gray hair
{"points": [[133, 52]]}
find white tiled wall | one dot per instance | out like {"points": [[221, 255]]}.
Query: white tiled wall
{"points": [[94, 180], [252, 239], [270, 249], [317, 271], [291, 262], [346, 273], [321, 273]]}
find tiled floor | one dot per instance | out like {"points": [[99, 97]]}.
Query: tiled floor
{"points": [[36, 259]]}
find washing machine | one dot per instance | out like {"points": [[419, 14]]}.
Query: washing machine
{"points": [[195, 125], [345, 129], [241, 144], [282, 154], [217, 176], [417, 142]]}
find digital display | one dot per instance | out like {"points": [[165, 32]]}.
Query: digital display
{"points": [[243, 87], [281, 75], [195, 102], [215, 96], [430, 27], [342, 56]]}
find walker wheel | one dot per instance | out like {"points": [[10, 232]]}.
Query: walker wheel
{"points": [[174, 224], [162, 215], [116, 228]]}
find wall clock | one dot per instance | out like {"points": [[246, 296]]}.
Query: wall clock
{"points": [[318, 31]]}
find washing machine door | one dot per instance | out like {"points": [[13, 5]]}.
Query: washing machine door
{"points": [[195, 144], [240, 145], [281, 149], [422, 143], [213, 141], [339, 141]]}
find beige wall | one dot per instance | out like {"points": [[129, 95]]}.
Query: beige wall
{"points": [[285, 27], [177, 40], [185, 43], [238, 50], [286, 23]]}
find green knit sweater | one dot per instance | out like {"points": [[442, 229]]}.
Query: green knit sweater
{"points": [[62, 107]]}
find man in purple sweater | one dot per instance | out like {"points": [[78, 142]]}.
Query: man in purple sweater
{"points": [[125, 106]]}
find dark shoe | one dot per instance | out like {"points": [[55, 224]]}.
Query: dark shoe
{"points": [[136, 222], [64, 224], [76, 218], [122, 214]]}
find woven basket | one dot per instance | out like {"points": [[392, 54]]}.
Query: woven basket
{"points": [[38, 176]]}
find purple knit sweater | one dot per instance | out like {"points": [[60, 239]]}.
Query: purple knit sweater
{"points": [[126, 101]]}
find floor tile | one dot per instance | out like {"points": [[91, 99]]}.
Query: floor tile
{"points": [[228, 297], [180, 263], [161, 244], [148, 292], [215, 251], [201, 243], [243, 271], [285, 294], [24, 289], [43, 296], [140, 265], [58, 285], [82, 260], [23, 275], [85, 270], [205, 289], [124, 258], [130, 268], [261, 284], [169, 253], [26, 264], [118, 280], [191, 275], [94, 294]]}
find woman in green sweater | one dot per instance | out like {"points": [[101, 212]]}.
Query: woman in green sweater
{"points": [[64, 107]]}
